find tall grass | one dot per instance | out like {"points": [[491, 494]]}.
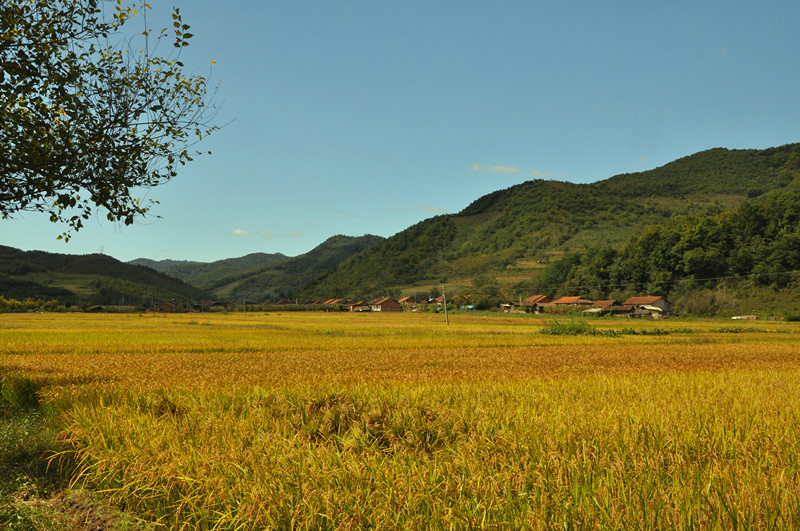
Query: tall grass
{"points": [[714, 450], [397, 422]]}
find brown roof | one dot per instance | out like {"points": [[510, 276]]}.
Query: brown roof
{"points": [[636, 301], [605, 304], [381, 300], [537, 299], [572, 300], [406, 299]]}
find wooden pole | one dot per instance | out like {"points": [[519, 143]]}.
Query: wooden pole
{"points": [[444, 299]]}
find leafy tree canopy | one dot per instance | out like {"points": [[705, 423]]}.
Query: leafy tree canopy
{"points": [[91, 118]]}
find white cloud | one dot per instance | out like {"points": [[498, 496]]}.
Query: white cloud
{"points": [[264, 234], [432, 209], [497, 168], [546, 174], [348, 214]]}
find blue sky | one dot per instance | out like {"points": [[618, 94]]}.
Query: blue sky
{"points": [[367, 117]]}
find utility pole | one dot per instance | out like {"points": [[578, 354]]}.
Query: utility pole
{"points": [[444, 299]]}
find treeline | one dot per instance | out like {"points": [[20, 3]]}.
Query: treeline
{"points": [[757, 240], [745, 172], [27, 305]]}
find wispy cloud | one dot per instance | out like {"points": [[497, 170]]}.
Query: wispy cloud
{"points": [[548, 174], [348, 214], [497, 168], [264, 234], [432, 209]]}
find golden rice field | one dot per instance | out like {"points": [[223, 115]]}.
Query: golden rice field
{"points": [[387, 421]]}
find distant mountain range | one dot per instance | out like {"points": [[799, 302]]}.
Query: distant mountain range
{"points": [[263, 277], [626, 234]]}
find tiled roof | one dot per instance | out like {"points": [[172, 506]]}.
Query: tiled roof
{"points": [[572, 300], [636, 301], [534, 299], [605, 304]]}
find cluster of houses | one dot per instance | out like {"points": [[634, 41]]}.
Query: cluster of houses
{"points": [[380, 304], [650, 307]]}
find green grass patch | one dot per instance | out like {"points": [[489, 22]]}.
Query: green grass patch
{"points": [[577, 327]]}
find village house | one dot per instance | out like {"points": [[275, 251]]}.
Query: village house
{"points": [[384, 304], [360, 306], [572, 301], [605, 304], [533, 303], [656, 306], [164, 307], [219, 306], [536, 299], [601, 307], [563, 305]]}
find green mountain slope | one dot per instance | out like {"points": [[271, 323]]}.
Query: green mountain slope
{"points": [[755, 244], [283, 279], [206, 274], [261, 277], [86, 279], [514, 233]]}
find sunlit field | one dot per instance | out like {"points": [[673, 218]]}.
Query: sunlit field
{"points": [[350, 421]]}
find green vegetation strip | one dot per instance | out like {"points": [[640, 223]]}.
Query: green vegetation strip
{"points": [[583, 328]]}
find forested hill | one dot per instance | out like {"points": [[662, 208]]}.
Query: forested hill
{"points": [[514, 233], [204, 274], [757, 243], [283, 278], [86, 279], [261, 277]]}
